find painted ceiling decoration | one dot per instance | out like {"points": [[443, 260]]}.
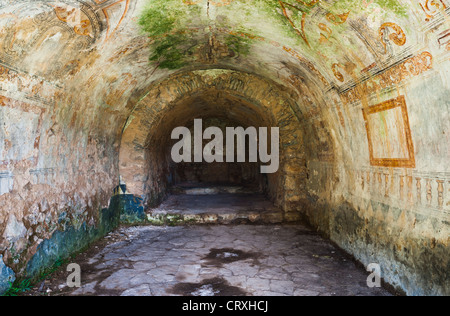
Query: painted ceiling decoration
{"points": [[119, 48], [116, 50], [338, 41]]}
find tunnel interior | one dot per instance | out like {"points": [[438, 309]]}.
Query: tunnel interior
{"points": [[214, 110], [90, 92], [215, 107], [217, 173]]}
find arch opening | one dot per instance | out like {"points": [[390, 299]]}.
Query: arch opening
{"points": [[214, 109], [220, 99]]}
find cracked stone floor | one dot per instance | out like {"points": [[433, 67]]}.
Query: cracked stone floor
{"points": [[250, 260]]}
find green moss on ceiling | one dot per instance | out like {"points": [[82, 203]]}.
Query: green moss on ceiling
{"points": [[238, 44], [176, 32], [163, 16], [170, 52], [387, 7], [164, 22], [269, 13], [176, 28]]}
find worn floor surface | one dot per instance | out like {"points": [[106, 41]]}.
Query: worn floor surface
{"points": [[275, 260]]}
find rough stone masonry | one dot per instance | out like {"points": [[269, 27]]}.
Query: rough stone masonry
{"points": [[91, 90]]}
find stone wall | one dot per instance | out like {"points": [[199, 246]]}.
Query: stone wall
{"points": [[390, 203], [56, 180]]}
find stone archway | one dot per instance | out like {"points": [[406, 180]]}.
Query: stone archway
{"points": [[143, 160]]}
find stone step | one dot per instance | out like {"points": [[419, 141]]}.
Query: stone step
{"points": [[213, 190], [221, 209]]}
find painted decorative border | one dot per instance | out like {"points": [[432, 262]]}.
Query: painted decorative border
{"points": [[391, 162]]}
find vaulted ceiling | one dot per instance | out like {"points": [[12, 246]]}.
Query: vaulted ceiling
{"points": [[89, 63], [100, 56]]}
